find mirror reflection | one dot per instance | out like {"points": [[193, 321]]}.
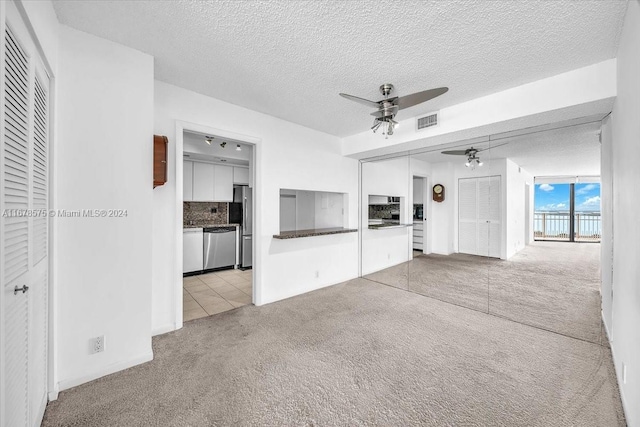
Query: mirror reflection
{"points": [[508, 225]]}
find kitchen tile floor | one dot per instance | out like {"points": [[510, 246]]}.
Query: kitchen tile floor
{"points": [[213, 293]]}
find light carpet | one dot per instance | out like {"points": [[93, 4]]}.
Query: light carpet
{"points": [[358, 353], [550, 285]]}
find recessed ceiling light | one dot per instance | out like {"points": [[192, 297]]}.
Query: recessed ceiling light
{"points": [[238, 148]]}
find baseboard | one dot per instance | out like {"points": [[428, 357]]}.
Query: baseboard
{"points": [[107, 370], [440, 253], [606, 329], [164, 329], [620, 389], [53, 394], [294, 294]]}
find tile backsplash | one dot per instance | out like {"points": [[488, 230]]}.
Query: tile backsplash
{"points": [[383, 211], [205, 213]]}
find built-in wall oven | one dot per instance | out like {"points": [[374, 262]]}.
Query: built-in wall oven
{"points": [[219, 247]]}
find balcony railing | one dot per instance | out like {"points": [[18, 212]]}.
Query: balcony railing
{"points": [[556, 226]]}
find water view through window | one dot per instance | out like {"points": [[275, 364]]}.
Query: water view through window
{"points": [[553, 207]]}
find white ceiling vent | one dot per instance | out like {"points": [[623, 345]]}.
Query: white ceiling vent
{"points": [[427, 121]]}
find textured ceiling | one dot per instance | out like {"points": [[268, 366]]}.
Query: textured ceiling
{"points": [[195, 148], [290, 59], [568, 151]]}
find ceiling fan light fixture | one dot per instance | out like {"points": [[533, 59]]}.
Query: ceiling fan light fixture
{"points": [[387, 108]]}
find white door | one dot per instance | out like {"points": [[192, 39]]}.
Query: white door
{"points": [[468, 216], [489, 217], [479, 216], [24, 227]]}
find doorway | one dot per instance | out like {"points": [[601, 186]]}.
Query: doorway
{"points": [[419, 244], [217, 220]]}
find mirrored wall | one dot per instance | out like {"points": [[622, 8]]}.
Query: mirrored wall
{"points": [[459, 224]]}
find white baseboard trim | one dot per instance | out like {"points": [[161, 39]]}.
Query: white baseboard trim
{"points": [[164, 329], [296, 293], [606, 329], [620, 389], [53, 394], [109, 369]]}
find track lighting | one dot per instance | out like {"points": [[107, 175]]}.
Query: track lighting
{"points": [[208, 139], [223, 144]]}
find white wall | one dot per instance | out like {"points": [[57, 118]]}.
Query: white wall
{"points": [[442, 214], [606, 203], [626, 220], [103, 161], [516, 216], [383, 248], [329, 210], [305, 210], [288, 156]]}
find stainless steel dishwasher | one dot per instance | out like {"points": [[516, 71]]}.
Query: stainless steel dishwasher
{"points": [[219, 247]]}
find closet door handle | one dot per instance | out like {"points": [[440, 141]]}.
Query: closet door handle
{"points": [[24, 289]]}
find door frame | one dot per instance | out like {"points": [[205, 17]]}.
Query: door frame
{"points": [[255, 142], [426, 209]]}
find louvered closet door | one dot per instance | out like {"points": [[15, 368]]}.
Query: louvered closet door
{"points": [[479, 216], [23, 238], [15, 242], [468, 216], [489, 216], [39, 260]]}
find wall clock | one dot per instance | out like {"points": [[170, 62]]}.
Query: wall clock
{"points": [[438, 193]]}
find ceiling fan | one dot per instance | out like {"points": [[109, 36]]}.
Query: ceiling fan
{"points": [[387, 108], [472, 159]]}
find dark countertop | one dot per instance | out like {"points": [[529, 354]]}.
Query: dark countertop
{"points": [[210, 225], [313, 232], [388, 225]]}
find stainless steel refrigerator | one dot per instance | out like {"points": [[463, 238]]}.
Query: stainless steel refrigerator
{"points": [[246, 238]]}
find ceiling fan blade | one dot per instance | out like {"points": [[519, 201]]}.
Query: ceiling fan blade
{"points": [[456, 152], [419, 97], [361, 100]]}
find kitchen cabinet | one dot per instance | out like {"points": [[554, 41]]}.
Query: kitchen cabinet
{"points": [[187, 181], [222, 183], [240, 176], [418, 235], [378, 200], [192, 250], [209, 182], [203, 175], [159, 160]]}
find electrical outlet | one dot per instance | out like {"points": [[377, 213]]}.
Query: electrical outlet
{"points": [[624, 373], [97, 344]]}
